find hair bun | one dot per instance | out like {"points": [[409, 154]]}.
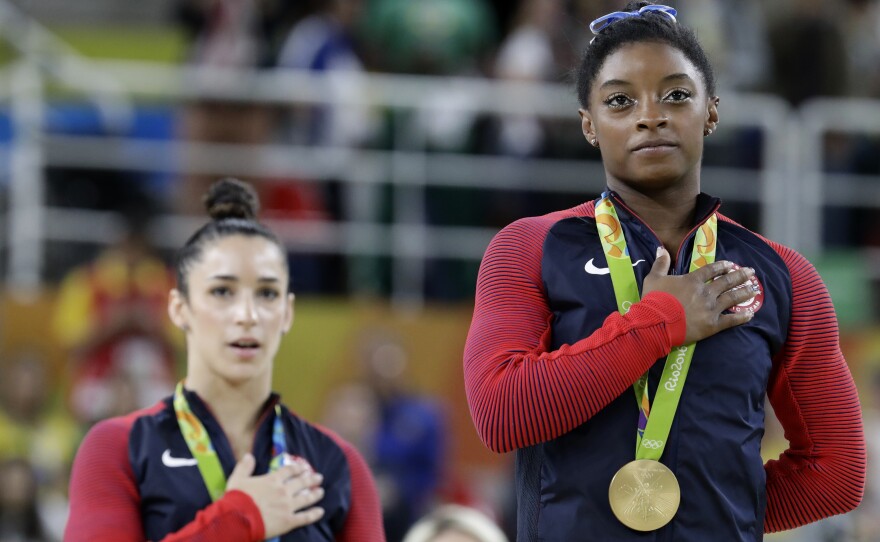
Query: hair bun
{"points": [[231, 198]]}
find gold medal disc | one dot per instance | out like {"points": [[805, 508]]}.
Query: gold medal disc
{"points": [[644, 495]]}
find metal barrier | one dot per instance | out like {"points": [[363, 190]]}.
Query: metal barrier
{"points": [[788, 189], [819, 189]]}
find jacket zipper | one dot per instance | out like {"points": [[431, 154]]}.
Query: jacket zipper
{"points": [[677, 256]]}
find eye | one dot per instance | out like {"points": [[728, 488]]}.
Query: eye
{"points": [[221, 291], [678, 95], [268, 293], [618, 101]]}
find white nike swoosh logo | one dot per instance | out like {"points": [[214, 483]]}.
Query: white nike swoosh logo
{"points": [[173, 462], [593, 270]]}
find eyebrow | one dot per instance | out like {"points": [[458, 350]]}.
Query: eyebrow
{"points": [[670, 77], [233, 278]]}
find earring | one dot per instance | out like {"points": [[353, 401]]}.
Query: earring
{"points": [[707, 132], [594, 142]]}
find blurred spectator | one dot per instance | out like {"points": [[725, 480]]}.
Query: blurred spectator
{"points": [[33, 423], [527, 55], [734, 35], [19, 518], [234, 33], [533, 51], [111, 318], [323, 42], [433, 37], [34, 427], [230, 35], [440, 37], [409, 446], [862, 22], [808, 52], [352, 411], [449, 38], [452, 523], [832, 49]]}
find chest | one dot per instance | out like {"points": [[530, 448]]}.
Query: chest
{"points": [[577, 283], [172, 489]]}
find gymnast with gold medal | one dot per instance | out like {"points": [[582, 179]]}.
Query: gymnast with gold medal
{"points": [[624, 347]]}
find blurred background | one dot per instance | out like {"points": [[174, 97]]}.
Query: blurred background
{"points": [[389, 140]]}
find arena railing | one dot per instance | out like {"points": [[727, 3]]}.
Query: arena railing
{"points": [[822, 190], [409, 240], [42, 58]]}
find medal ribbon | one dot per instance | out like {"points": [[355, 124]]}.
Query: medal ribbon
{"points": [[199, 443], [653, 427]]}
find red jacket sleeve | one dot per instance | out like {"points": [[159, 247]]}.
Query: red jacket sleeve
{"points": [[822, 473], [364, 520], [519, 392], [105, 504]]}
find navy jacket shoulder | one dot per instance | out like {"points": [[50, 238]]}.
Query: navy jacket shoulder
{"points": [[171, 487]]}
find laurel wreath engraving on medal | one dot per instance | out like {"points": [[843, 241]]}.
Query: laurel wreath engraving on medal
{"points": [[644, 495]]}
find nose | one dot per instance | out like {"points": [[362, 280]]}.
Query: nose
{"points": [[651, 116], [246, 311]]}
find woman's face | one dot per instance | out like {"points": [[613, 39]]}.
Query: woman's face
{"points": [[648, 110], [238, 308]]}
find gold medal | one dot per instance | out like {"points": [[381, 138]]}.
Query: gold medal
{"points": [[644, 495]]}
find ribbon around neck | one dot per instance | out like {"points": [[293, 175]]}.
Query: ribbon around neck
{"points": [[655, 421], [199, 443]]}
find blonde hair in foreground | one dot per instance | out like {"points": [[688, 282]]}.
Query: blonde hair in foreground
{"points": [[455, 519]]}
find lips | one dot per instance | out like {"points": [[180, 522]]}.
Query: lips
{"points": [[246, 343], [245, 349], [654, 144]]}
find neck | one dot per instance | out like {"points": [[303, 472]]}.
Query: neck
{"points": [[669, 212], [237, 406]]}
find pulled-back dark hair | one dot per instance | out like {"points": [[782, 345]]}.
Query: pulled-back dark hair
{"points": [[232, 206], [650, 27]]}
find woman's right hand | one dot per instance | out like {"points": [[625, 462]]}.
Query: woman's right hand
{"points": [[705, 294], [282, 496]]}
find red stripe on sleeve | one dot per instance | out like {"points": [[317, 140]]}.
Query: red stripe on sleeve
{"points": [[104, 499], [364, 521], [822, 473], [519, 392]]}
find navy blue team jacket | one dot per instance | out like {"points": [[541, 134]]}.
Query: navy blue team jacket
{"points": [[171, 497], [546, 346], [136, 474], [717, 430]]}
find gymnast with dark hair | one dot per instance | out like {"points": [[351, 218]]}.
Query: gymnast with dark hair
{"points": [[222, 459], [624, 347]]}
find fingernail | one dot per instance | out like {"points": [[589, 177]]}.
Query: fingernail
{"points": [[659, 251]]}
